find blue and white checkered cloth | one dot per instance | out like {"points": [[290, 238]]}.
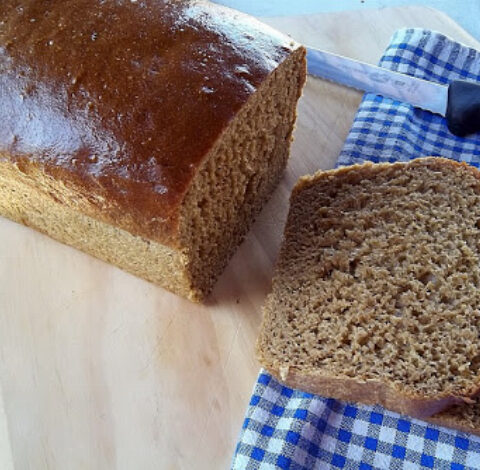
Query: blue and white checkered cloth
{"points": [[290, 429]]}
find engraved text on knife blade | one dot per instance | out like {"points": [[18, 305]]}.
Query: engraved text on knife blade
{"points": [[366, 77]]}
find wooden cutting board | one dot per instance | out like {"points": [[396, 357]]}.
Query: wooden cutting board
{"points": [[101, 370]]}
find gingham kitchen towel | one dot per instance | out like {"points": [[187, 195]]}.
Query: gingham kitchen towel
{"points": [[289, 429]]}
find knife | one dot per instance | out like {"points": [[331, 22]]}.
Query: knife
{"points": [[458, 102]]}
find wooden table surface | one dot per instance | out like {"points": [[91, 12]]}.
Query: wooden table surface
{"points": [[101, 370]]}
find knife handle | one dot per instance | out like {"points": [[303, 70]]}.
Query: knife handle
{"points": [[463, 107]]}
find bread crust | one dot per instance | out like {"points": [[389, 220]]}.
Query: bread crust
{"points": [[122, 102], [364, 169], [370, 392], [445, 412]]}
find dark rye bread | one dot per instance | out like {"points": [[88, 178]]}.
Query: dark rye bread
{"points": [[148, 134], [376, 293]]}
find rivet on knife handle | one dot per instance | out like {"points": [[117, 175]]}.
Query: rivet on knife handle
{"points": [[463, 107]]}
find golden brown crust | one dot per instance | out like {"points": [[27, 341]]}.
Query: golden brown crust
{"points": [[359, 170], [366, 169], [448, 412], [24, 203], [122, 101], [370, 392]]}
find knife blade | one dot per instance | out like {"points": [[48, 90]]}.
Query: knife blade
{"points": [[458, 102]]}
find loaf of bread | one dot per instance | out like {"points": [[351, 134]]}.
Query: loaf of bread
{"points": [[376, 294], [146, 133]]}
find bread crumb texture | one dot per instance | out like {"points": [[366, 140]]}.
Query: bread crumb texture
{"points": [[240, 174], [378, 280]]}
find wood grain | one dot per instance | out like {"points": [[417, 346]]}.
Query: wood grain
{"points": [[102, 370]]}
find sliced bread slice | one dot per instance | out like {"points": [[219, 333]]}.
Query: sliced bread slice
{"points": [[376, 293]]}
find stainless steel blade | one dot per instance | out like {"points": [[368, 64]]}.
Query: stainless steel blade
{"points": [[355, 74]]}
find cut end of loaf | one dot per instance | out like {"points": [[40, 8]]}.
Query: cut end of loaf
{"points": [[239, 176], [378, 283]]}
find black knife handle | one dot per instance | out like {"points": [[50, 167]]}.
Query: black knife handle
{"points": [[463, 107]]}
